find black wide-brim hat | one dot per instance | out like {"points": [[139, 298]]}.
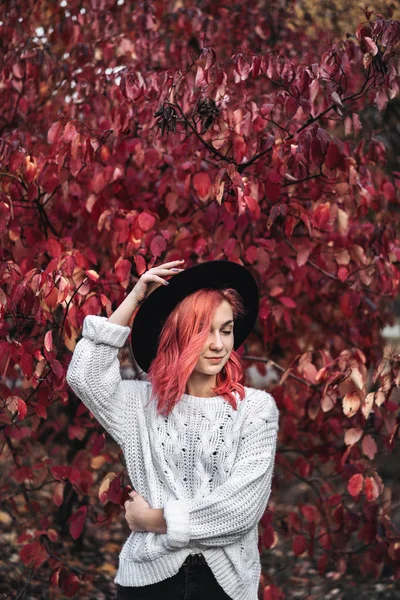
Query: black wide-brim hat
{"points": [[157, 307]]}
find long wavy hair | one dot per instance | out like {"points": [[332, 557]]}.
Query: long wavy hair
{"points": [[181, 341]]}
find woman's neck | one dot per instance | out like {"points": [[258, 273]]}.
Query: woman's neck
{"points": [[201, 388]]}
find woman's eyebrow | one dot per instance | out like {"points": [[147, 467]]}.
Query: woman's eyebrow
{"points": [[227, 323]]}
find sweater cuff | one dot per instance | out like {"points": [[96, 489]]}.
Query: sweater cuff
{"points": [[101, 331], [176, 516]]}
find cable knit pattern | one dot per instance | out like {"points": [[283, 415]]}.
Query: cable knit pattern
{"points": [[206, 465]]}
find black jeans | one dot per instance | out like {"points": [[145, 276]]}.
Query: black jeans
{"points": [[192, 582]]}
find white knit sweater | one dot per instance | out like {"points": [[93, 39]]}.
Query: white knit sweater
{"points": [[208, 466]]}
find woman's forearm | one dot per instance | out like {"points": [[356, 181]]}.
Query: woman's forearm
{"points": [[124, 312], [155, 521]]}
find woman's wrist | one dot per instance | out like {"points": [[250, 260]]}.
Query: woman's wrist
{"points": [[123, 314], [154, 520]]}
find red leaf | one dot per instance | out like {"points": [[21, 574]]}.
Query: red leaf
{"points": [[336, 98], [299, 545], [351, 403], [199, 81], [68, 582], [69, 132], [322, 215], [371, 489], [54, 132], [389, 191], [202, 185], [367, 59], [98, 182], [49, 178], [392, 32], [115, 491], [310, 513], [363, 30], [251, 254], [77, 521], [17, 404], [291, 107], [22, 408], [92, 306], [60, 472], [140, 264], [275, 212], [146, 221], [370, 45], [343, 273], [33, 555], [158, 245], [18, 70], [381, 99], [19, 475], [98, 444], [253, 205], [243, 68], [52, 535], [369, 447], [333, 157], [48, 341], [239, 148], [316, 150], [88, 152], [271, 592], [58, 494], [355, 484], [352, 436], [210, 57], [57, 368], [26, 364], [234, 176], [287, 301], [256, 65], [268, 537], [172, 201], [122, 271]]}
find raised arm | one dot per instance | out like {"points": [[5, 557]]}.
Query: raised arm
{"points": [[236, 506], [94, 373], [94, 370], [147, 283]]}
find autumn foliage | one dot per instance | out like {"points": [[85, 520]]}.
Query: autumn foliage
{"points": [[134, 133]]}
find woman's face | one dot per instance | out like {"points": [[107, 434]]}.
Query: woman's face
{"points": [[219, 343]]}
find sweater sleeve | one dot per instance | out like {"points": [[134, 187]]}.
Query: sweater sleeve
{"points": [[236, 506], [94, 373]]}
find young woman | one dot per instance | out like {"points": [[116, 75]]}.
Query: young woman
{"points": [[199, 446]]}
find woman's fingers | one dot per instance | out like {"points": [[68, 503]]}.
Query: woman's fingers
{"points": [[171, 271], [172, 263], [156, 279]]}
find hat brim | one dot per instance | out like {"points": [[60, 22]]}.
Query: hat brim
{"points": [[154, 311]]}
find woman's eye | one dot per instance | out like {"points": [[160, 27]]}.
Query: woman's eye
{"points": [[228, 332]]}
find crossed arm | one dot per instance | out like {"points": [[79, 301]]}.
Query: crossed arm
{"points": [[141, 517], [228, 511], [154, 520], [231, 509]]}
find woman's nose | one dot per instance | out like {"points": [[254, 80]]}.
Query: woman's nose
{"points": [[216, 342]]}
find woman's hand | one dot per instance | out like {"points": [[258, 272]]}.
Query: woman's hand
{"points": [[147, 283], [136, 511], [153, 278]]}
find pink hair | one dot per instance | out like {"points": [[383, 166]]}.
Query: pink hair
{"points": [[181, 341]]}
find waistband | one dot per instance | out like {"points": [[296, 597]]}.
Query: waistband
{"points": [[195, 559]]}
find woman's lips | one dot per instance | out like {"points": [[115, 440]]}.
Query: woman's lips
{"points": [[215, 359]]}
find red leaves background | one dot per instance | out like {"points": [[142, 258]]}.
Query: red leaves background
{"points": [[131, 136]]}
